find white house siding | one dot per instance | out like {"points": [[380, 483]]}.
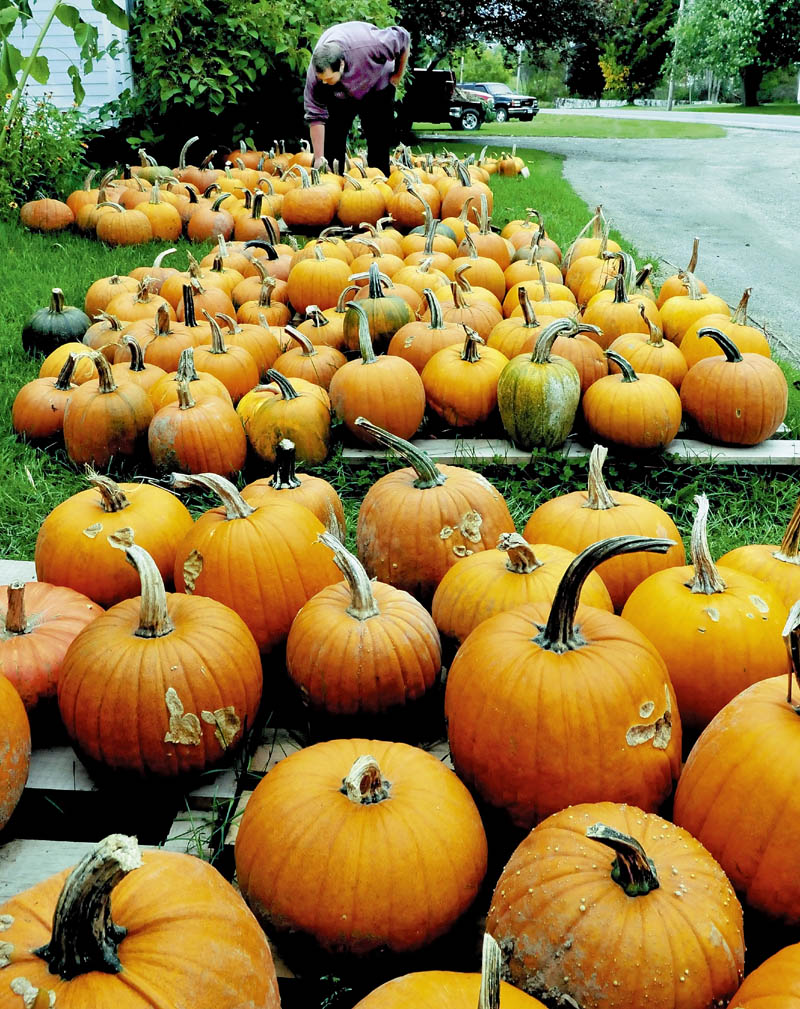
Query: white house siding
{"points": [[108, 78]]}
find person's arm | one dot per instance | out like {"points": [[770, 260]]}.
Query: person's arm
{"points": [[402, 61], [317, 131]]}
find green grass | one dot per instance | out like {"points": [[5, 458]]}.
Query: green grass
{"points": [[589, 126], [748, 504], [769, 109]]}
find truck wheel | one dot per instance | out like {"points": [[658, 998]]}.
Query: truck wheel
{"points": [[502, 115], [470, 120]]}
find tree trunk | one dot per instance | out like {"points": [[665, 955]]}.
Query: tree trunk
{"points": [[751, 82]]}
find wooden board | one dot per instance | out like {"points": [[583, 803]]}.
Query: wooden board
{"points": [[17, 571]]}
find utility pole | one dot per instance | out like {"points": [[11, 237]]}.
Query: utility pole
{"points": [[519, 66], [671, 91]]}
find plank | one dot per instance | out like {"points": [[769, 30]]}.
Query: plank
{"points": [[17, 571]]}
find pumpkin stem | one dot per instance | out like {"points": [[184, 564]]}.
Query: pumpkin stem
{"points": [[63, 380], [185, 400], [546, 339], [707, 578], [287, 390], [740, 314], [624, 365], [104, 373], [729, 348], [16, 618], [491, 963], [285, 477], [112, 497], [235, 505], [631, 869], [362, 601], [521, 558], [154, 620], [84, 936], [428, 473], [137, 354], [470, 352], [307, 347], [364, 785], [561, 634], [435, 310], [528, 313], [790, 544], [656, 337], [364, 340], [598, 496], [791, 636], [693, 261], [186, 368]]}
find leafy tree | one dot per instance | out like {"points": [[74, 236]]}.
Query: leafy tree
{"points": [[584, 76], [745, 37], [637, 45]]}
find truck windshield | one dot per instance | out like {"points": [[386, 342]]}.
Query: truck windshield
{"points": [[499, 89]]}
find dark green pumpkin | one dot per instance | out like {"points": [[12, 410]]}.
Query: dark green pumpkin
{"points": [[538, 394], [385, 315], [49, 327]]}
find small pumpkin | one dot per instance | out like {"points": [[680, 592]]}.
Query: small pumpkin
{"points": [[46, 215], [296, 413], [418, 341], [385, 315], [461, 381], [38, 408], [317, 364], [747, 338], [49, 327]]}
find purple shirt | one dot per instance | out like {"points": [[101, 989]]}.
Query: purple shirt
{"points": [[369, 58]]}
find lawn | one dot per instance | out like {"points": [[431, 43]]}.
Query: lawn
{"points": [[748, 504], [592, 127], [768, 109]]}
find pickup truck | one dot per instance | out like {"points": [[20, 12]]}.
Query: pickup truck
{"points": [[432, 96], [507, 104]]}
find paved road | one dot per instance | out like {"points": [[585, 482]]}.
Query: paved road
{"points": [[734, 120], [739, 193]]}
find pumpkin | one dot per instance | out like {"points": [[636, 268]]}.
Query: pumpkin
{"points": [[461, 381], [103, 419], [165, 389], [231, 364], [718, 630], [738, 399], [165, 221], [578, 345], [123, 227], [682, 311], [511, 712], [361, 647], [37, 624], [385, 315], [643, 916], [104, 334], [156, 272], [87, 936], [104, 290], [309, 206], [365, 827], [286, 484], [538, 396], [71, 546], [314, 364], [632, 411], [652, 355], [162, 652], [615, 317], [495, 581], [162, 340], [211, 299], [145, 375], [576, 520], [259, 341], [49, 327], [774, 984], [486, 271], [418, 341], [416, 523], [360, 204], [325, 329], [467, 189], [779, 565], [15, 741], [387, 390], [210, 221], [738, 793], [317, 281], [747, 338], [46, 215], [38, 408], [128, 306], [296, 413], [487, 243], [515, 336], [677, 285], [544, 292]]}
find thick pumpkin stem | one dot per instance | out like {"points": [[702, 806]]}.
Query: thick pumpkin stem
{"points": [[428, 473], [375, 285], [631, 869], [521, 558], [362, 601], [137, 354], [365, 785], [154, 620], [729, 348], [218, 345], [285, 477], [364, 340], [546, 339], [186, 369], [656, 337], [185, 400], [104, 373], [84, 936], [16, 618], [528, 313], [235, 505], [791, 637], [620, 291], [624, 365], [707, 579], [561, 634], [598, 496], [287, 390], [790, 544], [434, 308], [112, 497], [470, 351], [689, 279], [491, 964], [63, 380], [308, 348], [740, 314]]}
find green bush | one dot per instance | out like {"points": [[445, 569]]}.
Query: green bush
{"points": [[44, 152]]}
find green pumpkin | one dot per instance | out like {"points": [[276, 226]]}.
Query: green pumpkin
{"points": [[49, 327], [538, 395], [385, 315]]}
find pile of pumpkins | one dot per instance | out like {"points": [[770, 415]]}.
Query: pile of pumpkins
{"points": [[563, 717], [386, 326]]}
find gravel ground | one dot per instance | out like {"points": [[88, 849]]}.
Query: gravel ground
{"points": [[739, 193]]}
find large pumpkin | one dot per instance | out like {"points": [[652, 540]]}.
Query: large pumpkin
{"points": [[179, 682], [609, 906], [525, 689], [99, 935], [343, 841], [416, 523], [15, 745]]}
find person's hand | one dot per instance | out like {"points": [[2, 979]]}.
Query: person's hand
{"points": [[319, 163]]}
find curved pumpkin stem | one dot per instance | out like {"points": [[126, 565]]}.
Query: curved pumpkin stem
{"points": [[235, 505], [84, 937], [364, 340], [428, 473], [631, 869], [362, 601], [364, 784], [624, 365], [732, 353], [154, 620], [470, 352], [546, 339], [598, 496], [112, 496], [790, 544], [707, 578]]}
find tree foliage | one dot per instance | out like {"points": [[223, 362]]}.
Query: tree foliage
{"points": [[636, 45], [584, 76]]}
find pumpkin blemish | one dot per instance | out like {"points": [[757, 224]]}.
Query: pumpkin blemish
{"points": [[183, 728]]}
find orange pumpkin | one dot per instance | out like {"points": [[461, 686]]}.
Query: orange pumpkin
{"points": [[15, 740], [298, 413], [38, 408], [461, 381]]}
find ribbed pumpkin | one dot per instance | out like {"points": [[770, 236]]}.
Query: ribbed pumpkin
{"points": [[103, 419], [297, 413], [779, 565], [747, 338], [608, 905], [38, 408], [202, 385], [615, 317], [287, 484], [718, 630], [495, 581], [679, 312], [161, 339], [416, 523], [37, 624], [739, 795], [317, 281], [314, 364], [362, 647], [418, 341], [651, 354], [461, 381], [365, 826], [387, 390], [46, 215], [263, 562], [737, 399], [71, 547], [104, 290], [136, 370], [775, 984], [515, 336], [87, 937], [123, 227], [104, 334], [538, 396], [162, 654], [307, 205], [326, 329], [385, 315], [511, 710], [15, 741], [641, 412], [231, 364], [580, 518]]}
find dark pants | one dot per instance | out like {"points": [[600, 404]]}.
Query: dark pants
{"points": [[376, 111]]}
